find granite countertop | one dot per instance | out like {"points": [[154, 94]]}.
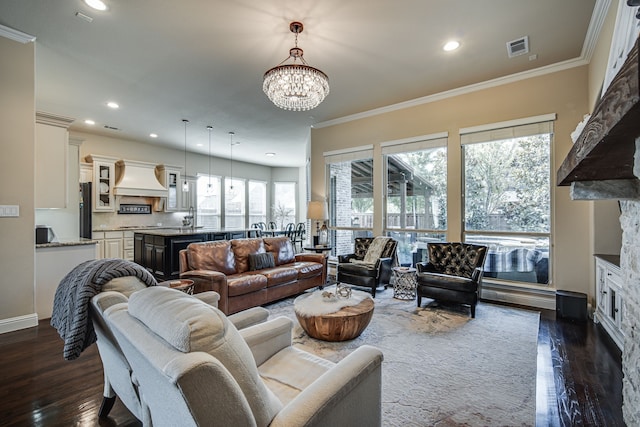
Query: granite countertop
{"points": [[185, 231], [79, 242]]}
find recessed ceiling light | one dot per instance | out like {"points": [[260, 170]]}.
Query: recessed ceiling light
{"points": [[96, 4], [269, 154], [153, 135], [113, 105], [198, 145], [452, 45], [89, 122]]}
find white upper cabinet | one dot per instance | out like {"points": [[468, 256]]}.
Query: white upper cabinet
{"points": [[51, 161], [169, 176], [104, 177]]}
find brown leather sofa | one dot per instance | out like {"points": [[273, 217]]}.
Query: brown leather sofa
{"points": [[251, 272]]}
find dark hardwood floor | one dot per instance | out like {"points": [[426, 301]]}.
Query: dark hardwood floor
{"points": [[579, 379]]}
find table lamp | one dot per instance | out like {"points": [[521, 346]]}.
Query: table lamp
{"points": [[318, 211]]}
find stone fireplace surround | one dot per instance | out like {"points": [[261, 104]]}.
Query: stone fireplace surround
{"points": [[604, 163]]}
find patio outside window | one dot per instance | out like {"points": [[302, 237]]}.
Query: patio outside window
{"points": [[507, 199]]}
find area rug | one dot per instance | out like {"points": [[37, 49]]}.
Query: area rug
{"points": [[442, 368]]}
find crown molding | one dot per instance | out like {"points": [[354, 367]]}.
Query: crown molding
{"points": [[593, 32], [16, 35], [553, 68], [598, 17], [53, 119]]}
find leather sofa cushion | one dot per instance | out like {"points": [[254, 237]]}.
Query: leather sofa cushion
{"points": [[241, 284], [444, 281], [261, 261], [358, 269], [216, 256], [242, 248], [281, 248], [279, 275], [307, 269]]}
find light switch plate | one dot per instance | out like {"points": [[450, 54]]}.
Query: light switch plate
{"points": [[9, 210]]}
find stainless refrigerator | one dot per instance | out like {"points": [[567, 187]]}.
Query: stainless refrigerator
{"points": [[85, 210]]}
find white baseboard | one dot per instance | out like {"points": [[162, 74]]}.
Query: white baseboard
{"points": [[17, 323], [539, 298]]}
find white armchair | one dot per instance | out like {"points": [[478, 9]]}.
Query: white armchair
{"points": [[195, 368], [119, 380]]}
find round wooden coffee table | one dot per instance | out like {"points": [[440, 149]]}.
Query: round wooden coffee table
{"points": [[342, 325]]}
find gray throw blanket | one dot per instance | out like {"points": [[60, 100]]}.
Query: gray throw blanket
{"points": [[71, 302]]}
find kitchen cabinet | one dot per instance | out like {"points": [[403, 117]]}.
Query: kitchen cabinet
{"points": [[169, 176], [160, 255], [51, 265], [189, 198], [610, 297], [86, 172], [104, 177], [158, 250], [111, 244], [51, 161]]}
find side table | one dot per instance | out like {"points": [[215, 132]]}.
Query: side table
{"points": [[184, 285], [404, 283]]}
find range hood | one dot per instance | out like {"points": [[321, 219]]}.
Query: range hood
{"points": [[135, 178]]}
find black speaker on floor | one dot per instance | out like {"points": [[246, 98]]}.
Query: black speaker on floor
{"points": [[571, 305]]}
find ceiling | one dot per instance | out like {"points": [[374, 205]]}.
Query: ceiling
{"points": [[203, 60]]}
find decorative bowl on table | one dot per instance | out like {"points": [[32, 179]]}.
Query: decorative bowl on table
{"points": [[329, 297]]}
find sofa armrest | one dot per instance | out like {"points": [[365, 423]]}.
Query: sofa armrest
{"points": [[309, 257], [268, 338], [384, 265], [346, 258], [426, 267], [350, 393], [209, 297], [249, 317], [207, 280]]}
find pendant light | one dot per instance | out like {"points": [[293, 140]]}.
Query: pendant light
{"points": [[209, 186], [185, 183], [231, 192]]}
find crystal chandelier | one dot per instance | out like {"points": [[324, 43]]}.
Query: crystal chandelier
{"points": [[297, 86]]}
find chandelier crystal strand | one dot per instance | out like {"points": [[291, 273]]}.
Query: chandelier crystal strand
{"points": [[297, 86], [209, 186], [185, 183]]}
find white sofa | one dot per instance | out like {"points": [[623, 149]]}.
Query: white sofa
{"points": [[119, 380], [195, 368]]}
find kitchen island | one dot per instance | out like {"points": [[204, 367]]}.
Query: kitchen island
{"points": [[158, 249], [53, 261]]}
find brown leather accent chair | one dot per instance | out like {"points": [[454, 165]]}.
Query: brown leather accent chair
{"points": [[453, 273], [353, 269]]}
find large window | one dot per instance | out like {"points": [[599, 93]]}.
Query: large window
{"points": [[257, 201], [507, 199], [350, 202], [234, 203], [284, 206], [416, 194], [208, 201]]}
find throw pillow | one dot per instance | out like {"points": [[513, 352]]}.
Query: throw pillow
{"points": [[261, 261]]}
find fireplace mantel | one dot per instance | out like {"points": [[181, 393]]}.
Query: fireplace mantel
{"points": [[600, 164]]}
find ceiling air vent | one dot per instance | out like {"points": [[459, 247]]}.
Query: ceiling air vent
{"points": [[518, 47]]}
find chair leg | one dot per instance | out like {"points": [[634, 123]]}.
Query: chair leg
{"points": [[473, 311], [419, 299], [373, 292], [106, 406]]}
